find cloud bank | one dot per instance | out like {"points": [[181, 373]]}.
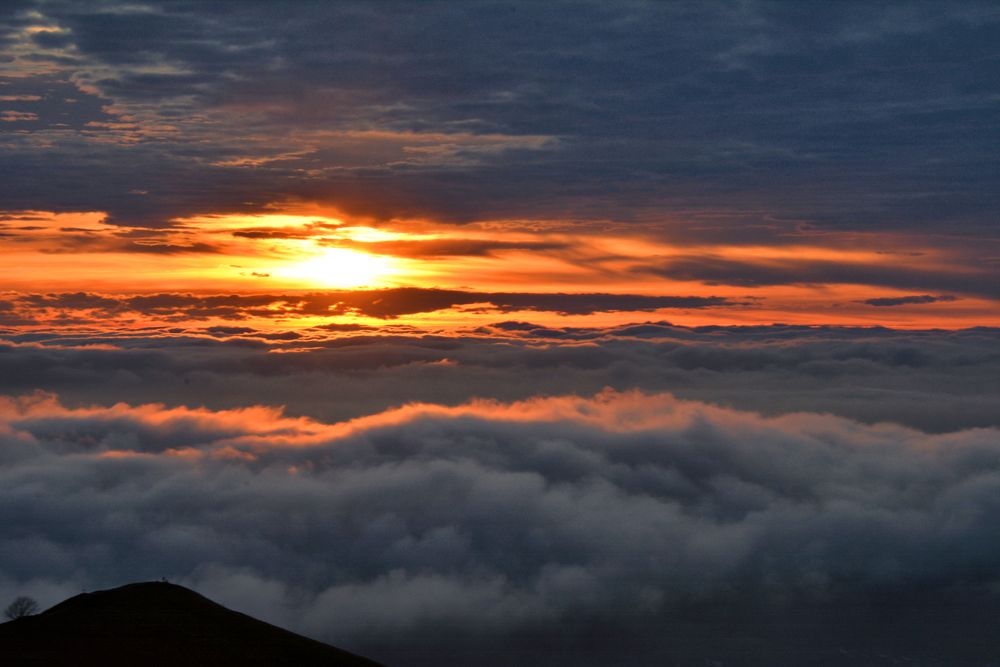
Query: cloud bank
{"points": [[936, 381], [595, 528]]}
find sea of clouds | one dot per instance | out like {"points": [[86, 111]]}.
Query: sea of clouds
{"points": [[936, 381], [515, 494]]}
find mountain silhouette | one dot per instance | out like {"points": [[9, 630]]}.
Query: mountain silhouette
{"points": [[153, 624]]}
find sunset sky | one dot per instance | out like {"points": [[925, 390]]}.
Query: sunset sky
{"points": [[765, 163], [396, 268]]}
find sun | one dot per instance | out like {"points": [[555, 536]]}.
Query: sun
{"points": [[340, 267]]}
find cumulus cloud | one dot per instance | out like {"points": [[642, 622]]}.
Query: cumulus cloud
{"points": [[433, 531]]}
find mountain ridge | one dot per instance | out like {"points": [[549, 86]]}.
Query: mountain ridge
{"points": [[157, 624]]}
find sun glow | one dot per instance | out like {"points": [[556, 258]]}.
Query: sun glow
{"points": [[340, 267]]}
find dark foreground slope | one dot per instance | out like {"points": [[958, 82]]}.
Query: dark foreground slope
{"points": [[157, 624]]}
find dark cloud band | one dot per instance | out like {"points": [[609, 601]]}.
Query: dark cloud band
{"points": [[385, 303]]}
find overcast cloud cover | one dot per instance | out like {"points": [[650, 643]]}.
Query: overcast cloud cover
{"points": [[846, 115]]}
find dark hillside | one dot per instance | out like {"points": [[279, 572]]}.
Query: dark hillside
{"points": [[157, 624]]}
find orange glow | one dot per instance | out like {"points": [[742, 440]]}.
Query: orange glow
{"points": [[803, 280]]}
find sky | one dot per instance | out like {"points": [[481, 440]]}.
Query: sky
{"points": [[583, 332]]}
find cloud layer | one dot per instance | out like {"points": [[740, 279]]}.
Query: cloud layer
{"points": [[428, 534], [932, 380], [846, 116]]}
